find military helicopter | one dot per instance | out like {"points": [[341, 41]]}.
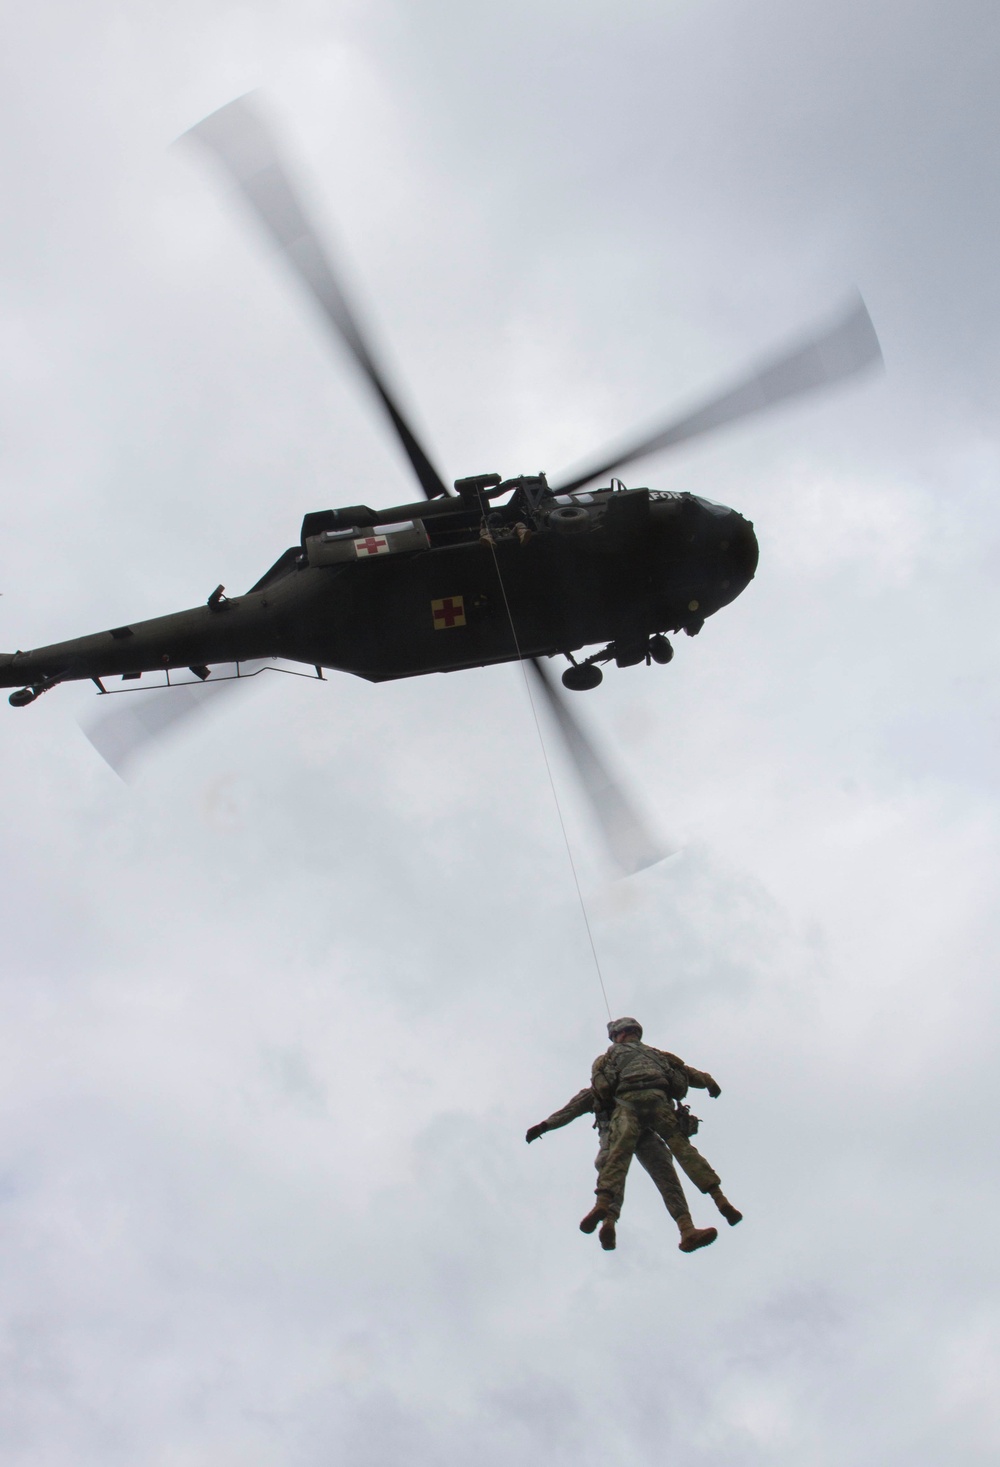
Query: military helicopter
{"points": [[492, 570]]}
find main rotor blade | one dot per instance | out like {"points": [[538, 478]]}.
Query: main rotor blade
{"points": [[847, 346], [242, 143], [629, 840], [128, 726]]}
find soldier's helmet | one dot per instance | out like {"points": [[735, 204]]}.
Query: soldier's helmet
{"points": [[622, 1026]]}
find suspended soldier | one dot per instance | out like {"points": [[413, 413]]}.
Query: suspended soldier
{"points": [[642, 1086], [651, 1151]]}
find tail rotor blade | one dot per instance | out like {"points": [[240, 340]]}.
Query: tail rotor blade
{"points": [[243, 145], [847, 346], [629, 840]]}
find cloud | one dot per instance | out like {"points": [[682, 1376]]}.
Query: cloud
{"points": [[276, 1015]]}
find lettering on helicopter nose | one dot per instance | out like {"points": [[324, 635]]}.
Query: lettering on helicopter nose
{"points": [[448, 612]]}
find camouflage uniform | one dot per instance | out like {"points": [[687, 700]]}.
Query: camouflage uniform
{"points": [[642, 1085], [650, 1150]]}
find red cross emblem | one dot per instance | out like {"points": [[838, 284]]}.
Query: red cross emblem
{"points": [[448, 612], [371, 545]]}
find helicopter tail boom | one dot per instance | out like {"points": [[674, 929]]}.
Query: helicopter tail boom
{"points": [[221, 631]]}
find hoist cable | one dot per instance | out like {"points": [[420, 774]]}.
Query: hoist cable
{"points": [[552, 783]]}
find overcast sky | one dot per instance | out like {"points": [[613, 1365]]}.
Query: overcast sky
{"points": [[276, 1013]]}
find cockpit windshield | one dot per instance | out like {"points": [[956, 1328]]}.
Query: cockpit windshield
{"points": [[711, 506]]}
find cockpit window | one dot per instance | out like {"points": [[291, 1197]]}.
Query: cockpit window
{"points": [[711, 506]]}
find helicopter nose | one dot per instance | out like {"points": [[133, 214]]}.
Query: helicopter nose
{"points": [[736, 543], [737, 548], [742, 551]]}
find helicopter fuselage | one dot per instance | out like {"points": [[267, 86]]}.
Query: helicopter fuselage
{"points": [[442, 585]]}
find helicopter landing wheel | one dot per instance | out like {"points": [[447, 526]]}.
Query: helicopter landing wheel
{"points": [[660, 649], [580, 678]]}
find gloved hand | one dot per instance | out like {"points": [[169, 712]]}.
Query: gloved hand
{"points": [[533, 1132], [713, 1089]]}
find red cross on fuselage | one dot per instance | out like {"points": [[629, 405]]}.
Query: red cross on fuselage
{"points": [[372, 544], [449, 612]]}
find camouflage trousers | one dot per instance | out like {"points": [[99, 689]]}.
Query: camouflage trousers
{"points": [[651, 1152], [646, 1110]]}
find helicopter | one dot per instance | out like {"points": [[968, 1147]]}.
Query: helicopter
{"points": [[487, 570]]}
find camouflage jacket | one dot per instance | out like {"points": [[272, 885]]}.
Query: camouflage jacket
{"points": [[582, 1104], [638, 1066], [586, 1102]]}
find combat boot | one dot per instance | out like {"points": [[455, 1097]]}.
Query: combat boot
{"points": [[607, 1234], [692, 1237], [596, 1214], [729, 1212]]}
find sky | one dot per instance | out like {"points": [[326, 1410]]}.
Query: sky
{"points": [[277, 1011]]}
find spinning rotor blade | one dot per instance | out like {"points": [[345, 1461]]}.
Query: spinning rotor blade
{"points": [[243, 145], [848, 346], [630, 842], [137, 721]]}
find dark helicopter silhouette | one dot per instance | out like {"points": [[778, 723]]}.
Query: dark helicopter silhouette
{"points": [[490, 571]]}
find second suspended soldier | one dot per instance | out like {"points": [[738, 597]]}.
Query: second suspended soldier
{"points": [[651, 1152], [642, 1087]]}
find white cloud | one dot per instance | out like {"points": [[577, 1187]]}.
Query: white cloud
{"points": [[276, 1016]]}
